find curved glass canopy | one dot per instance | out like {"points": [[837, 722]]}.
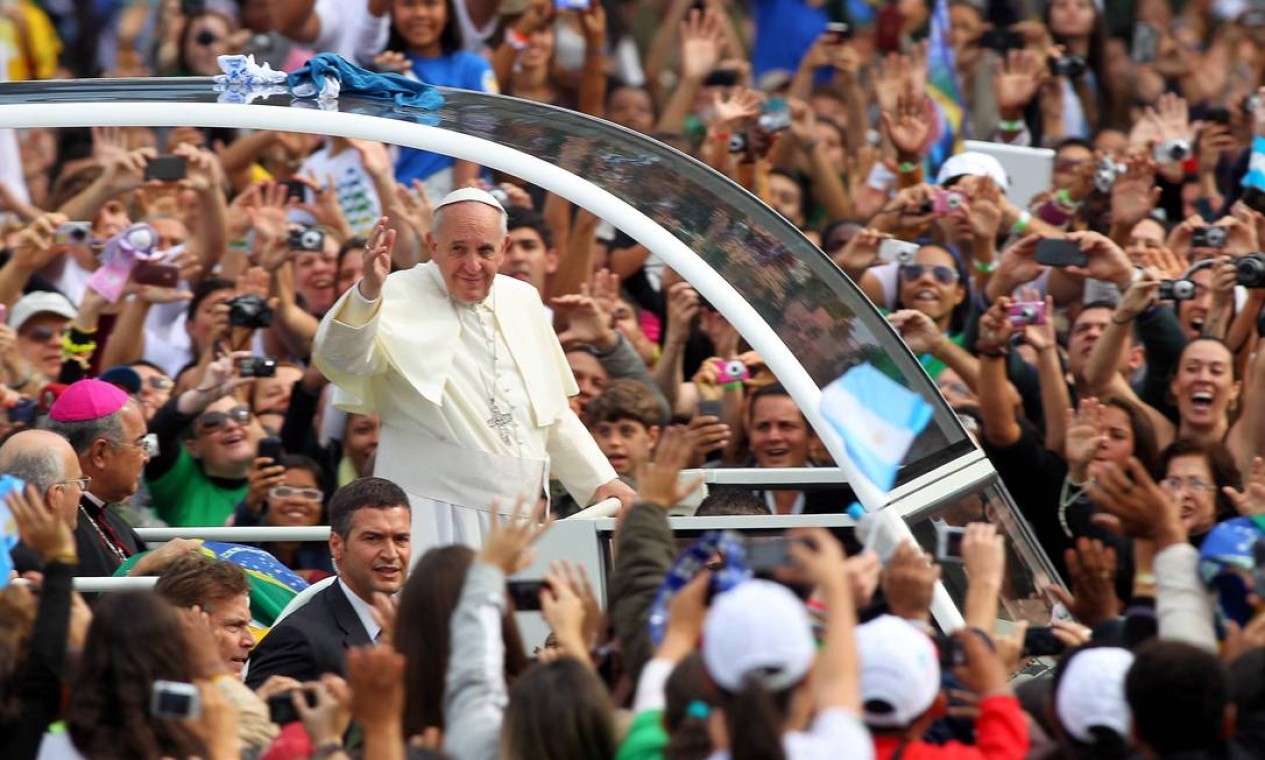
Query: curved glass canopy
{"points": [[807, 320]]}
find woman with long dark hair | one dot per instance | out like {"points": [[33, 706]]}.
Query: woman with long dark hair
{"points": [[135, 639]]}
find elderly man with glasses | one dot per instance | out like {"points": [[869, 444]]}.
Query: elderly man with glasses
{"points": [[207, 439], [106, 432]]}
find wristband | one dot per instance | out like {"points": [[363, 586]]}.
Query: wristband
{"points": [[1064, 199], [1021, 224], [238, 245], [984, 267], [906, 167], [516, 39], [1011, 125]]}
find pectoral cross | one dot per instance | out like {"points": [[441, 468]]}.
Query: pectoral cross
{"points": [[500, 422]]}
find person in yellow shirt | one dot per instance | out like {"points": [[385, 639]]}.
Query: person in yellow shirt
{"points": [[28, 40]]}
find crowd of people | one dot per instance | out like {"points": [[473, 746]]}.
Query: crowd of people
{"points": [[209, 327]]}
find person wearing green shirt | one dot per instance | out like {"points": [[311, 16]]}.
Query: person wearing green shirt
{"points": [[207, 439]]}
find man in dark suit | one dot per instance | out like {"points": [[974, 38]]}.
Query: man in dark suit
{"points": [[369, 540]]}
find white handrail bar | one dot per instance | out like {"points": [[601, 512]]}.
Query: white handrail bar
{"points": [[236, 535], [89, 585]]}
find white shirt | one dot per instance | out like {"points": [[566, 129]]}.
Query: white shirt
{"points": [[348, 29], [834, 733], [356, 193], [473, 38], [364, 611]]}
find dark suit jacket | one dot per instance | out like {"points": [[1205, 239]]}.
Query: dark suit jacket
{"points": [[309, 642], [95, 557]]}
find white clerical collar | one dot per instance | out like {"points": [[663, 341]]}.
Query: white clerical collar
{"points": [[364, 611]]}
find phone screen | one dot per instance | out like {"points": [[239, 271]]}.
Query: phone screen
{"points": [[526, 594], [1053, 252]]}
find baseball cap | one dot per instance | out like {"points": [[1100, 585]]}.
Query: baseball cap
{"points": [[1091, 692], [974, 165], [900, 671], [757, 628], [40, 302], [124, 377], [471, 194]]}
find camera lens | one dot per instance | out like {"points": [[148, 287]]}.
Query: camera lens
{"points": [[1251, 271]]}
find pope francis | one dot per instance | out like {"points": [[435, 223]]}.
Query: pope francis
{"points": [[467, 374]]}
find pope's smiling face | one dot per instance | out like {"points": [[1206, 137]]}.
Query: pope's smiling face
{"points": [[468, 245]]}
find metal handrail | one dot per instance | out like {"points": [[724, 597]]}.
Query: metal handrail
{"points": [[243, 535]]}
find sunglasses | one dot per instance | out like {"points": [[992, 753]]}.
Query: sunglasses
{"points": [[44, 333], [285, 492], [943, 275], [160, 383], [210, 422]]}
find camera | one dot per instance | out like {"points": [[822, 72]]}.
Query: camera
{"points": [[307, 239], [774, 121], [1251, 272], [896, 251], [175, 700], [1209, 237], [1173, 151], [1106, 174], [73, 233], [738, 142], [1026, 313], [1069, 66], [1176, 290], [731, 371], [257, 366], [24, 411], [249, 310]]}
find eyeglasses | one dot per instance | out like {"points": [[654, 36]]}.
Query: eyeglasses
{"points": [[83, 482], [44, 333], [914, 272], [285, 492], [210, 422], [1068, 164], [1173, 485]]}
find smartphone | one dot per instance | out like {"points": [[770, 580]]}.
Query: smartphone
{"points": [[896, 251], [1056, 252], [24, 411], [295, 189], [166, 168], [1001, 40], [730, 371], [838, 33], [1218, 115], [525, 594], [722, 78], [764, 555], [711, 408], [175, 700], [1041, 642], [949, 543], [1209, 237], [271, 448], [774, 120], [147, 272], [281, 708], [73, 233], [571, 5], [1026, 313], [1146, 43]]}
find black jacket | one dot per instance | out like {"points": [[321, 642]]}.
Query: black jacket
{"points": [[309, 642]]}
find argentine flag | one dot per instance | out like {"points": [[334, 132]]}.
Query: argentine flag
{"points": [[877, 419]]}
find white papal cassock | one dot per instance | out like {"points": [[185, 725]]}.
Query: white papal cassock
{"points": [[432, 367]]}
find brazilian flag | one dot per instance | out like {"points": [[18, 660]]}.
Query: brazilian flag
{"points": [[272, 584]]}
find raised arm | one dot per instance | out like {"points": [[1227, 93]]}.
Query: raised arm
{"points": [[1001, 425]]}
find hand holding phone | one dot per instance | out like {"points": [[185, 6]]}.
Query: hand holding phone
{"points": [[166, 168], [1057, 252], [525, 594]]}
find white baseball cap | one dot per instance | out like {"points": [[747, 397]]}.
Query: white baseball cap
{"points": [[1091, 693], [900, 669], [40, 302], [974, 165], [471, 194], [761, 627]]}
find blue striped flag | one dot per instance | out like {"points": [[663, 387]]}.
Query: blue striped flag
{"points": [[944, 90]]}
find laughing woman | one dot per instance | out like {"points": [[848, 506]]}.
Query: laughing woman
{"points": [[288, 494], [429, 37]]}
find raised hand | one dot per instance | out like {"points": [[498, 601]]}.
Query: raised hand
{"points": [[508, 543], [1134, 194], [658, 480], [917, 330], [587, 323], [377, 260], [35, 246], [564, 611], [909, 582], [1139, 506], [1091, 567], [392, 61], [416, 207], [375, 676], [1018, 79], [373, 157], [39, 526], [908, 126], [683, 306], [1250, 502], [702, 41], [995, 328], [1084, 436], [728, 110], [263, 475]]}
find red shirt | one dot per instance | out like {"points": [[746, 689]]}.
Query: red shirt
{"points": [[1001, 733]]}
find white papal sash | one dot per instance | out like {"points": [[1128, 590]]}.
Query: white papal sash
{"points": [[423, 466]]}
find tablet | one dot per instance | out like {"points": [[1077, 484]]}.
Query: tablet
{"points": [[1030, 169]]}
